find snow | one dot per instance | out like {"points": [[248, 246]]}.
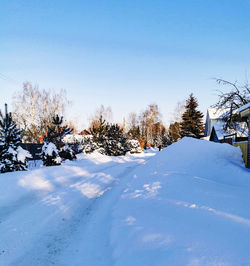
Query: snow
{"points": [[185, 205], [242, 130], [188, 206], [217, 113], [22, 155], [49, 149]]}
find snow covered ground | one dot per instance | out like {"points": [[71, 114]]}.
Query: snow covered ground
{"points": [[186, 205]]}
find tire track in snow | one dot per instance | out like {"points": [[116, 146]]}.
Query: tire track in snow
{"points": [[86, 250], [50, 246], [31, 198]]}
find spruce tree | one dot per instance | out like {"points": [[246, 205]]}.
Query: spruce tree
{"points": [[191, 124], [108, 139], [50, 154], [54, 149], [12, 156], [57, 132], [98, 132], [115, 142]]}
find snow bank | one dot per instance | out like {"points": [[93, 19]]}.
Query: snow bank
{"points": [[189, 205]]}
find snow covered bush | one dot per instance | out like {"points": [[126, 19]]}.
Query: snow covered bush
{"points": [[67, 153], [81, 143], [108, 139], [50, 154], [133, 146], [12, 156]]}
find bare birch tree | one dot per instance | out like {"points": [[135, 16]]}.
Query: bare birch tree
{"points": [[33, 110]]}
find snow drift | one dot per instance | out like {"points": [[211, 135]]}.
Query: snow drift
{"points": [[189, 205]]}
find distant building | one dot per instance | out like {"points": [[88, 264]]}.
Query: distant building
{"points": [[214, 127], [213, 116]]}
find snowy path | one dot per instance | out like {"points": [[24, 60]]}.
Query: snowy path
{"points": [[92, 244], [63, 219]]}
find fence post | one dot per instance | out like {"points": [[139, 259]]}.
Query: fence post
{"points": [[248, 146]]}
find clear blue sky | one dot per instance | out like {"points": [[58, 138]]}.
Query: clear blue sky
{"points": [[124, 54]]}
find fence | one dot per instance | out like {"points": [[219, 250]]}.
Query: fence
{"points": [[243, 147]]}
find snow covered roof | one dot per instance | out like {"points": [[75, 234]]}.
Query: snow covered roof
{"points": [[220, 132], [215, 113], [244, 107]]}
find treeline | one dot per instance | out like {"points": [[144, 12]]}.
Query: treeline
{"points": [[38, 118], [34, 110]]}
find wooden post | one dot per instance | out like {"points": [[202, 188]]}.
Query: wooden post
{"points": [[248, 146]]}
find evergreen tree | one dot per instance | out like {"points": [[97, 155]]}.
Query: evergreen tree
{"points": [[133, 146], [50, 154], [165, 138], [12, 156], [191, 124], [67, 153], [115, 141], [99, 131], [54, 149], [57, 132], [108, 138]]}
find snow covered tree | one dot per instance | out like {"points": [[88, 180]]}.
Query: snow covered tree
{"points": [[191, 124], [67, 153], [50, 154], [108, 138], [98, 132], [133, 146], [12, 156], [57, 131], [115, 141], [54, 149]]}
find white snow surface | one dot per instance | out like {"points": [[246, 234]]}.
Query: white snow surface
{"points": [[22, 155], [49, 148], [186, 205]]}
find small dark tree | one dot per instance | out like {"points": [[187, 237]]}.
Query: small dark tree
{"points": [[165, 138], [50, 154], [191, 124], [57, 132], [108, 138], [12, 156], [98, 131], [115, 142], [54, 149]]}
